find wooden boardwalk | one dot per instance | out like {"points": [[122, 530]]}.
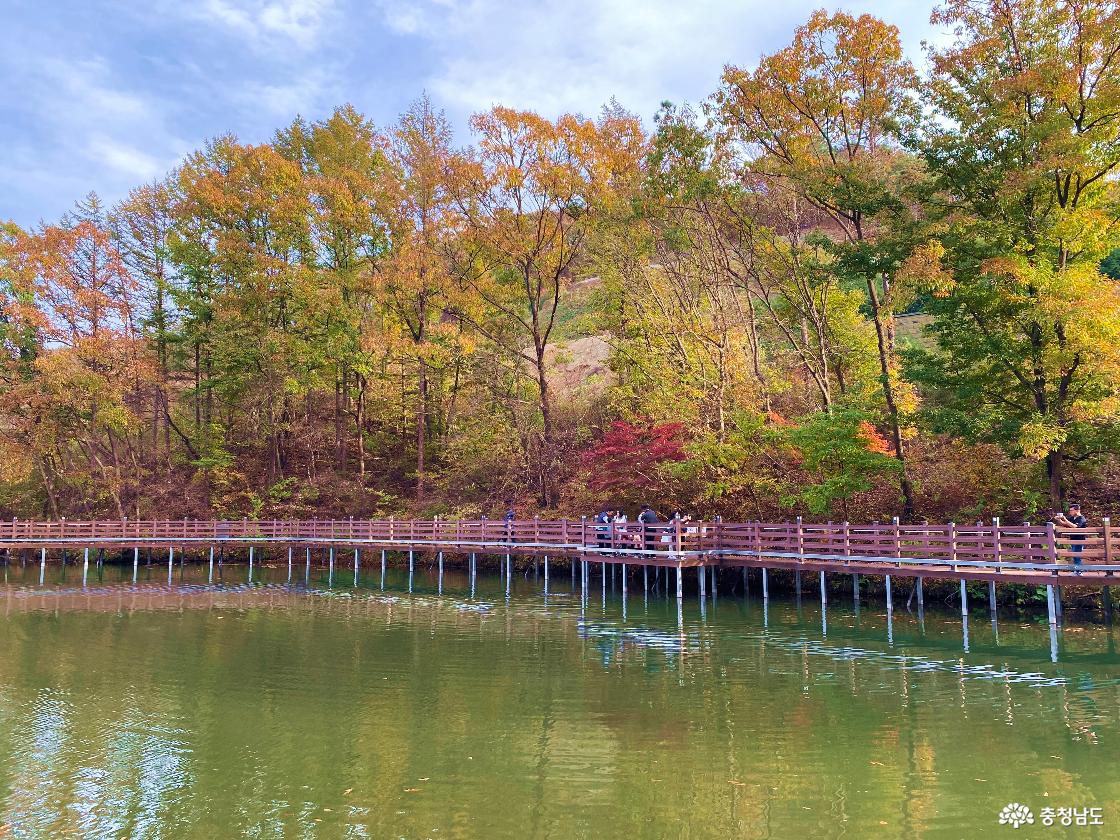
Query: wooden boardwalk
{"points": [[1028, 554]]}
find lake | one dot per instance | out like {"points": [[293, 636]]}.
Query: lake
{"points": [[277, 710]]}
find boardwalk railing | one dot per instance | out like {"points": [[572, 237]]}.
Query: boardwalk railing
{"points": [[1036, 547]]}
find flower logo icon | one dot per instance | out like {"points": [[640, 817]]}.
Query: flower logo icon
{"points": [[1015, 815]]}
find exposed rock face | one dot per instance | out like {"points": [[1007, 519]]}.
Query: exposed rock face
{"points": [[579, 367]]}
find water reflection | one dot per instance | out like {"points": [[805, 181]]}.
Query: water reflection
{"points": [[316, 708]]}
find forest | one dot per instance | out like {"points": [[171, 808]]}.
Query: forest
{"points": [[849, 284]]}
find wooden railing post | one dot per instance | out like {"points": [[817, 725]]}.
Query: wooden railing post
{"points": [[583, 531], [847, 539], [800, 537], [897, 538], [677, 524], [1052, 545], [1106, 523], [997, 543]]}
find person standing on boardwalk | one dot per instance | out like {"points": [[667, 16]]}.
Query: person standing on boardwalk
{"points": [[511, 515], [1074, 520], [603, 520], [648, 517]]}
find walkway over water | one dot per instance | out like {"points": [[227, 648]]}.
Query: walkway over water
{"points": [[1030, 554]]}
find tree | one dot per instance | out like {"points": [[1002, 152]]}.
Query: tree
{"points": [[527, 195], [843, 453], [344, 169], [243, 231], [75, 368], [140, 226], [1023, 145], [415, 280], [628, 458], [822, 116]]}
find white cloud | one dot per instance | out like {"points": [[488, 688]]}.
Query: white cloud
{"points": [[297, 22], [88, 133], [556, 56], [309, 93], [125, 158]]}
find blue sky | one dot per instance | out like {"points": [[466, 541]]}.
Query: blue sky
{"points": [[106, 94]]}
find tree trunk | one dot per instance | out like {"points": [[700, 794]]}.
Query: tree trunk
{"points": [[1055, 473], [884, 334], [360, 422], [546, 458], [421, 431]]}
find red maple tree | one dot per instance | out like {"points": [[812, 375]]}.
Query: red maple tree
{"points": [[627, 456]]}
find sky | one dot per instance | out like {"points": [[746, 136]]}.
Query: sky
{"points": [[105, 95]]}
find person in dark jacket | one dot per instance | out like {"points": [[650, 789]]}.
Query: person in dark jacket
{"points": [[603, 520], [648, 517], [510, 516], [1074, 520]]}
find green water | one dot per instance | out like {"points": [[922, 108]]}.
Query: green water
{"points": [[276, 711]]}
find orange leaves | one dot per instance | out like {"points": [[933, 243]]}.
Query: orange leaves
{"points": [[874, 441], [80, 285], [828, 96], [923, 270]]}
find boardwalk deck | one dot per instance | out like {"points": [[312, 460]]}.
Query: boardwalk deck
{"points": [[1031, 554]]}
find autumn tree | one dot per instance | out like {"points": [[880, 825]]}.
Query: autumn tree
{"points": [[1024, 147], [627, 460], [75, 369], [527, 194], [244, 228], [415, 280], [822, 116], [343, 166], [140, 226]]}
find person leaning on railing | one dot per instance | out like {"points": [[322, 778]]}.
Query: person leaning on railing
{"points": [[649, 517], [1074, 520]]}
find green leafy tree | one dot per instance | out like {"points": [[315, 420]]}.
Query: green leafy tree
{"points": [[1023, 146], [843, 454]]}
